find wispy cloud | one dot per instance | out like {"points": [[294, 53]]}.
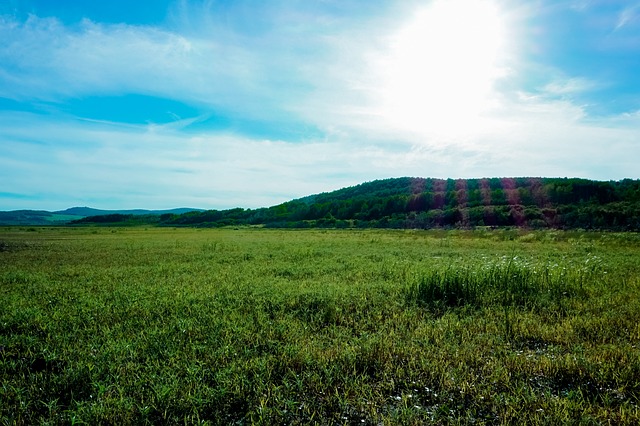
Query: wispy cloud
{"points": [[47, 60], [146, 165], [569, 86], [628, 16], [103, 165]]}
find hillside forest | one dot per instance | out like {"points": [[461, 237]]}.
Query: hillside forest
{"points": [[424, 203]]}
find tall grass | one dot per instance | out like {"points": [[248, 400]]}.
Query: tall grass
{"points": [[505, 283]]}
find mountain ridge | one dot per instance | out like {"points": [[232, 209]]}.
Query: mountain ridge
{"points": [[61, 217], [89, 211]]}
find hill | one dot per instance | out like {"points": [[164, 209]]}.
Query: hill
{"points": [[88, 211], [43, 217], [34, 217], [432, 203]]}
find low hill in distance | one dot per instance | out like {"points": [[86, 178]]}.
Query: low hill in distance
{"points": [[42, 217], [422, 203], [88, 211], [34, 217]]}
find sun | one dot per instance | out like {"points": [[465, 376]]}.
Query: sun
{"points": [[441, 66]]}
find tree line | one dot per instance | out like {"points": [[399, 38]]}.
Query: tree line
{"points": [[431, 203]]}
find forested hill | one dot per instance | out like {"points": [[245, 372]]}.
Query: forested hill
{"points": [[449, 203]]}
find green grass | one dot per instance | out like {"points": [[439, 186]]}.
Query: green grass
{"points": [[255, 326]]}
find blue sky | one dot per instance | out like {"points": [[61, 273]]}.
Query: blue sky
{"points": [[219, 104]]}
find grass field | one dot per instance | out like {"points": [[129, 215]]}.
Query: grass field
{"points": [[255, 326]]}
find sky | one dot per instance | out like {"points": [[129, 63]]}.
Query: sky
{"points": [[218, 104]]}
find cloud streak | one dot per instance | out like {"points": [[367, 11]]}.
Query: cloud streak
{"points": [[628, 16], [49, 61]]}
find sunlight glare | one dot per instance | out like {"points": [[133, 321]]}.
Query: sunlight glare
{"points": [[439, 75]]}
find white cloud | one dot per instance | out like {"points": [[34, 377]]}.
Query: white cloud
{"points": [[113, 166], [268, 62], [144, 166], [42, 59], [628, 16], [569, 86]]}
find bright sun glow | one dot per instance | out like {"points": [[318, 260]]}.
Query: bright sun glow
{"points": [[439, 75]]}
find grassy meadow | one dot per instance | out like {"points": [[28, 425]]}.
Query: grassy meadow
{"points": [[256, 326]]}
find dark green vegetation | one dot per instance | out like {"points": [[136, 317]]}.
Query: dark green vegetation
{"points": [[410, 203], [264, 326], [41, 217], [35, 217]]}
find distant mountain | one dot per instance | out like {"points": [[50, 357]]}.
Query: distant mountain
{"points": [[34, 217], [83, 211], [88, 211], [42, 217]]}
